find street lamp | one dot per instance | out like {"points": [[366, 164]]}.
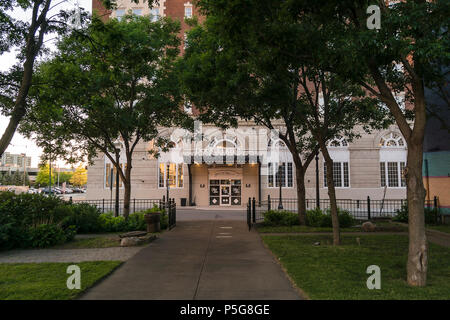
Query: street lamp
{"points": [[167, 183], [280, 204], [117, 146], [317, 181]]}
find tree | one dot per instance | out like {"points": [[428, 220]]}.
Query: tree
{"points": [[109, 87], [244, 74], [236, 81], [79, 177], [43, 176], [29, 36], [405, 54], [17, 178]]}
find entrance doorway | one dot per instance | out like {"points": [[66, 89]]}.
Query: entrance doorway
{"points": [[225, 192]]}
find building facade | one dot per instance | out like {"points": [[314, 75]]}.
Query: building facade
{"points": [[227, 167], [15, 160]]}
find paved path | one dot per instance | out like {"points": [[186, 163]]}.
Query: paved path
{"points": [[213, 259], [68, 255]]}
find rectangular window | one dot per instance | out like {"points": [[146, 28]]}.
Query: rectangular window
{"points": [[383, 173], [275, 173], [120, 13], [270, 177], [346, 176], [161, 175], [137, 12], [172, 172], [154, 14], [392, 174], [188, 12], [289, 174], [402, 176], [341, 176], [108, 176]]}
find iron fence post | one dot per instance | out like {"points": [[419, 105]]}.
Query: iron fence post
{"points": [[368, 207], [103, 206], [249, 222], [254, 209], [268, 202]]}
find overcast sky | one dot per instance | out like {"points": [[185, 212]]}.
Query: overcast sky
{"points": [[19, 144]]}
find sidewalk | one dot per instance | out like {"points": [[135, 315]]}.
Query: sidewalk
{"points": [[214, 259]]}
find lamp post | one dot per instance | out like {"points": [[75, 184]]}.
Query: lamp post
{"points": [[50, 175], [117, 145], [317, 181], [167, 183], [280, 204]]}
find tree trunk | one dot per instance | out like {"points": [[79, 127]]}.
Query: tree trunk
{"points": [[127, 192], [418, 247], [301, 195], [418, 250], [332, 195]]}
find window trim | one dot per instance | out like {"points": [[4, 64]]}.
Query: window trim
{"points": [[399, 175]]}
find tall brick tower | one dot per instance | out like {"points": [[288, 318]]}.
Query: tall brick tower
{"points": [[175, 9]]}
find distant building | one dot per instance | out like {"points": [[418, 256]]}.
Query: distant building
{"points": [[15, 160], [436, 164]]}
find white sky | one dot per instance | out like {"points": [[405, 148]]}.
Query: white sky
{"points": [[19, 143]]}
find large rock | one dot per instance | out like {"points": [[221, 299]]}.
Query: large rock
{"points": [[130, 242], [368, 226]]}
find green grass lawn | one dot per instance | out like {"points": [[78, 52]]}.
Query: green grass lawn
{"points": [[47, 281], [328, 272], [382, 226], [442, 228]]}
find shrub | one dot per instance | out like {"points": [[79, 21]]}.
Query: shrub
{"points": [[109, 223], [316, 218], [280, 218], [22, 212], [431, 215], [46, 235], [136, 221], [84, 216], [402, 214]]}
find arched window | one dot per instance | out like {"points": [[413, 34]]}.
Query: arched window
{"points": [[392, 160], [338, 150], [338, 142], [280, 166], [392, 140]]}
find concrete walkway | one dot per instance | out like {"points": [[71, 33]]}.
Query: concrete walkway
{"points": [[214, 259], [68, 255]]}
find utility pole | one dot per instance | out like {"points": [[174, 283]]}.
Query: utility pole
{"points": [[24, 168]]}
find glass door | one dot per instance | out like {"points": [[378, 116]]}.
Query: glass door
{"points": [[225, 193]]}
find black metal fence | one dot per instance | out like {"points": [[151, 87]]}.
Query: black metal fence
{"points": [[366, 209], [108, 205]]}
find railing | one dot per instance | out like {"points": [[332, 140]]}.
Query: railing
{"points": [[366, 209], [109, 205]]}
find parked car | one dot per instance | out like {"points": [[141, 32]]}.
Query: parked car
{"points": [[54, 190]]}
